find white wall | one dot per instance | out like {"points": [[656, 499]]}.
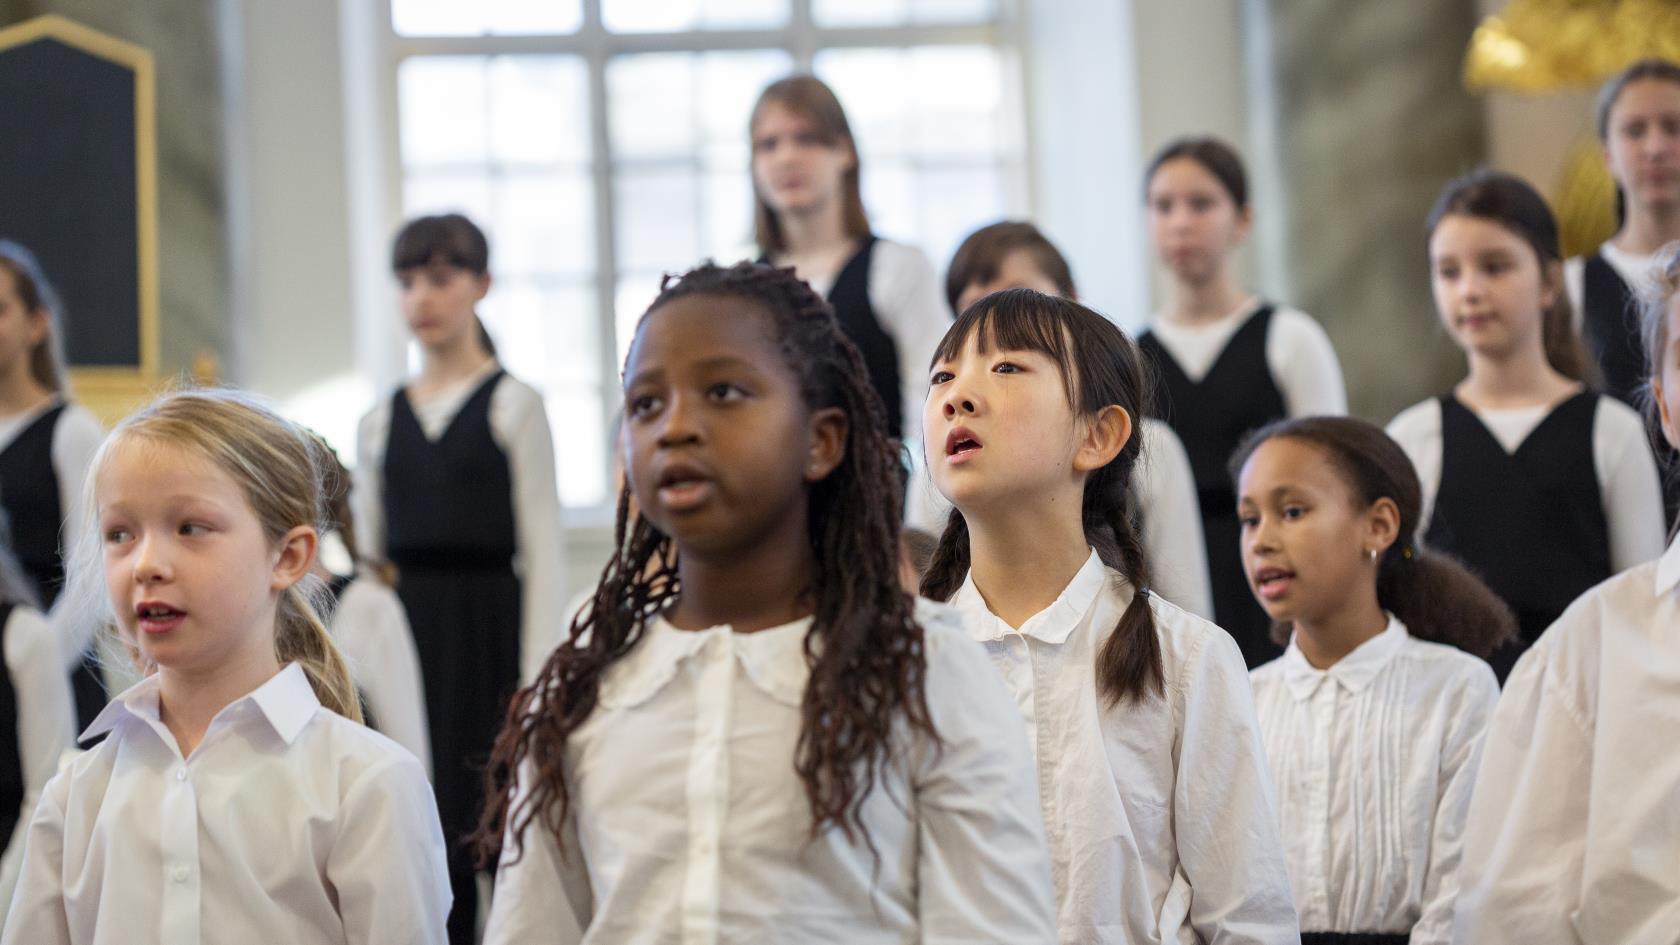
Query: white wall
{"points": [[290, 248]]}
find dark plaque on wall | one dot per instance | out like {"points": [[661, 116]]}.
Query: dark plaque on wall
{"points": [[78, 188]]}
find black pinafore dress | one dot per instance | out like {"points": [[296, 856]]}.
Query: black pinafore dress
{"points": [[29, 492], [1530, 523], [1211, 416], [1610, 324], [450, 531]]}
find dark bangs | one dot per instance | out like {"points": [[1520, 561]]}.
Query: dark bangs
{"points": [[450, 238], [1021, 320]]}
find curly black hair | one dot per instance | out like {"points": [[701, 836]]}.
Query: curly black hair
{"points": [[865, 650]]}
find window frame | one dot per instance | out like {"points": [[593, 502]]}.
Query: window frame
{"points": [[596, 46]]}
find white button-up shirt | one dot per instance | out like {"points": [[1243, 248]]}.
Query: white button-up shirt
{"points": [[288, 824], [689, 825], [1574, 831], [1160, 814], [1374, 760]]}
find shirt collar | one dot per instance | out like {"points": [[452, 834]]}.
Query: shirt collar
{"points": [[286, 701], [774, 659], [1051, 625], [1668, 568], [1354, 671]]}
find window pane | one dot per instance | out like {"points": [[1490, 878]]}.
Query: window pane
{"points": [[539, 109], [547, 334], [441, 107], [658, 218], [683, 105], [447, 192], [636, 291], [901, 12], [673, 16], [936, 136], [545, 225], [485, 17]]}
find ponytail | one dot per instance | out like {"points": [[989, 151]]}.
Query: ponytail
{"points": [[300, 637], [1562, 343], [1436, 597], [484, 339], [1439, 600]]}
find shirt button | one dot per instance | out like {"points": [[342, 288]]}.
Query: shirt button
{"points": [[180, 774], [179, 874]]}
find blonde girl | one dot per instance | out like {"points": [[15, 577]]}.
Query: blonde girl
{"points": [[236, 796]]}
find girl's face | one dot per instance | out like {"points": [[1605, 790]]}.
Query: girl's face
{"points": [[793, 170], [1306, 540], [438, 302], [1489, 288], [1642, 143], [1193, 220], [997, 427], [1016, 271], [21, 328], [1666, 385], [720, 446], [193, 579]]}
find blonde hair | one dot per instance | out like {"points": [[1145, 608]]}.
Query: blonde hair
{"points": [[279, 468]]}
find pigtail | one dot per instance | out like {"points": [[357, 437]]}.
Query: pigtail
{"points": [[300, 637], [1129, 665], [950, 562], [1439, 600]]}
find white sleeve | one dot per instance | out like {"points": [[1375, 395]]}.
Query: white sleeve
{"points": [[46, 721], [1525, 835], [906, 295], [1629, 484], [367, 496], [983, 868], [387, 860], [76, 439], [1304, 363], [1229, 843], [36, 915], [542, 895], [372, 629], [1418, 431], [521, 425], [1172, 520], [1574, 282], [1461, 755]]}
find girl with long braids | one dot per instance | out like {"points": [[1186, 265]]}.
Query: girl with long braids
{"points": [[1156, 796], [753, 734]]}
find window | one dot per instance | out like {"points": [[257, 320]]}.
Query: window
{"points": [[603, 143]]}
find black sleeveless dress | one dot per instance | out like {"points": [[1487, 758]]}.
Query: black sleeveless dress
{"points": [[1531, 523], [29, 492], [1211, 416], [450, 532], [849, 297], [1610, 325]]}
